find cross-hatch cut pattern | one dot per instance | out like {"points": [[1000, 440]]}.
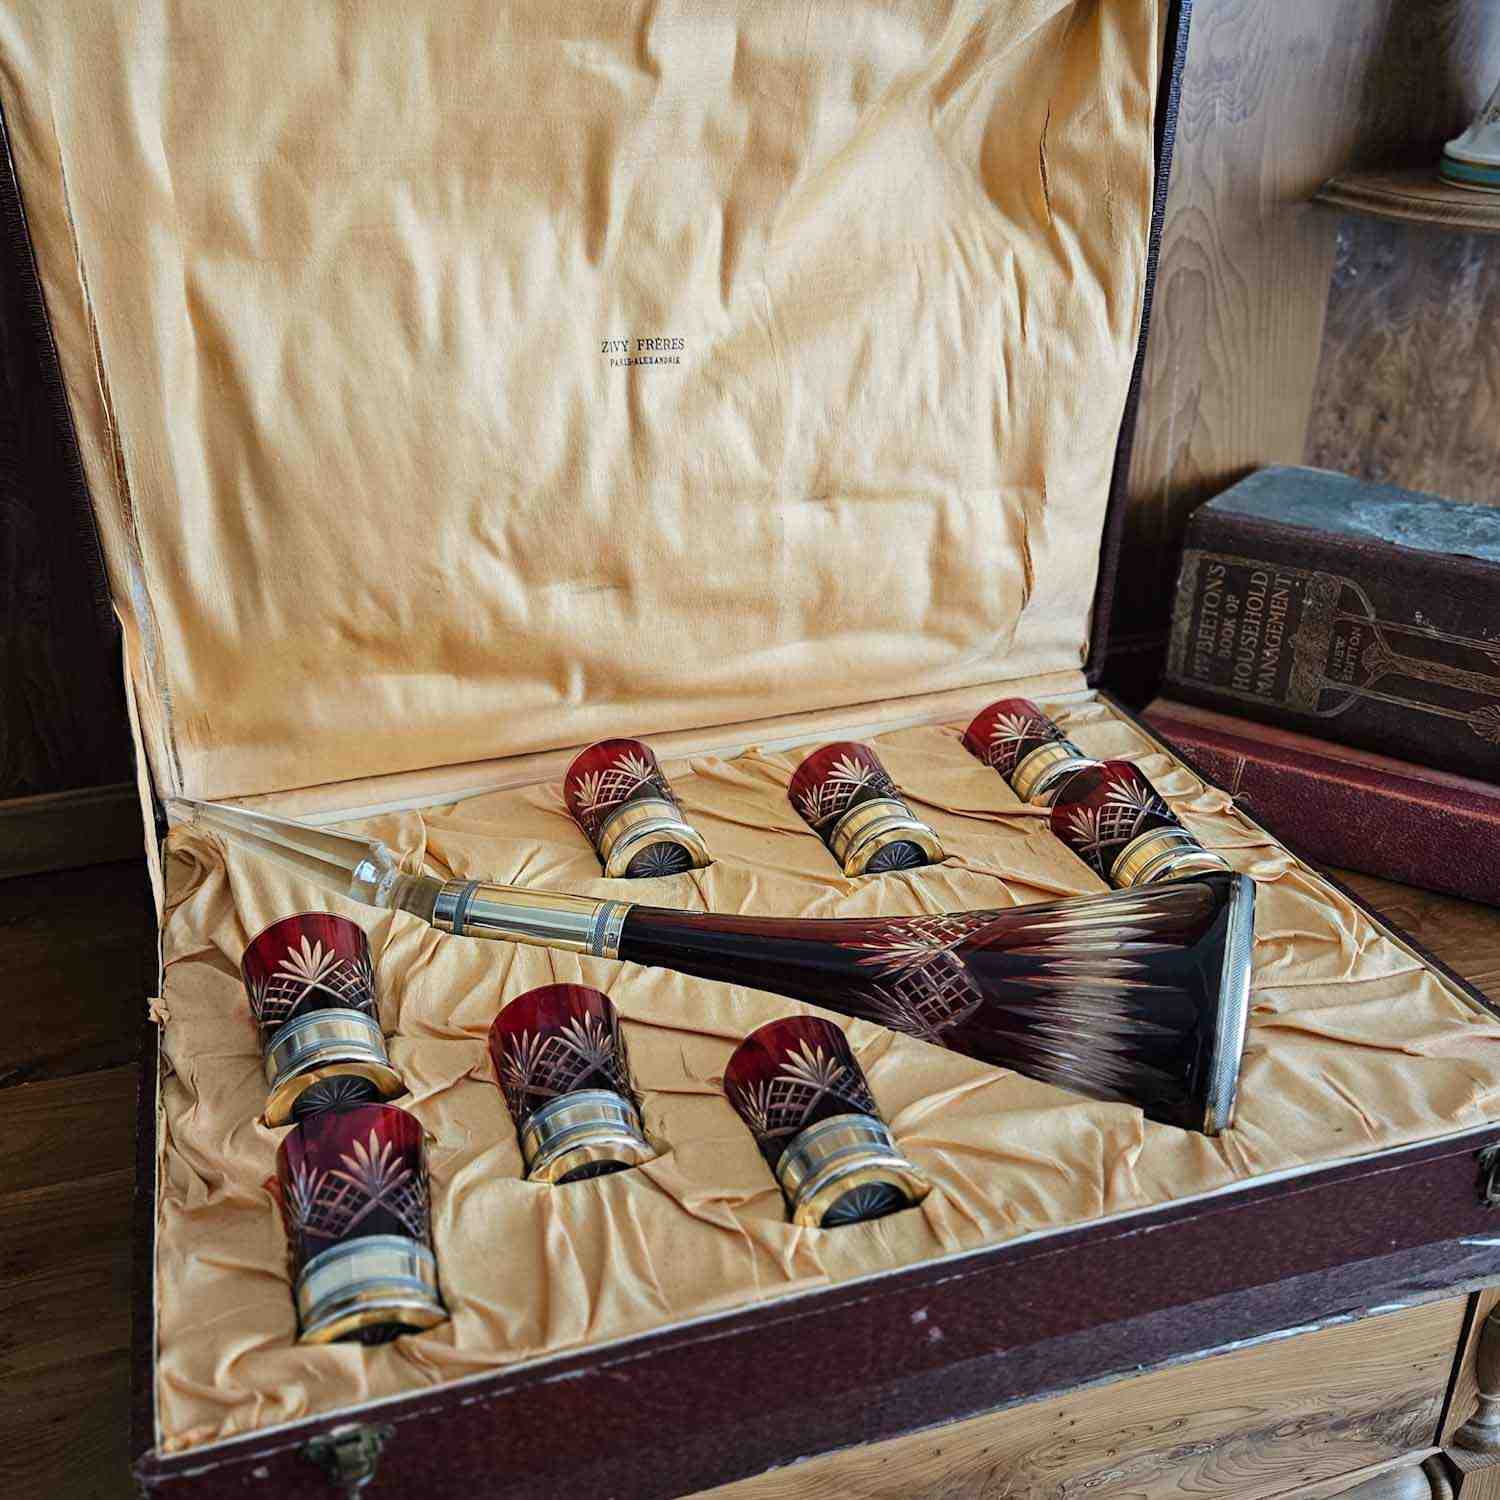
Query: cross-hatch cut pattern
{"points": [[782, 1104], [1128, 808], [586, 1052], [1007, 735], [330, 1204], [831, 797], [346, 982], [925, 987], [600, 792]]}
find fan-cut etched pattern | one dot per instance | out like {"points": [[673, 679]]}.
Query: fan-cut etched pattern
{"points": [[787, 1075], [348, 1173], [558, 1040], [834, 779], [606, 776], [310, 961], [1104, 809], [1003, 734]]}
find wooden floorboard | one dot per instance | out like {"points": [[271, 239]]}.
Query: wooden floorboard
{"points": [[74, 946], [65, 1194]]}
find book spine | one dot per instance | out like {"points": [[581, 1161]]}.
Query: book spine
{"points": [[1378, 820], [1342, 638]]}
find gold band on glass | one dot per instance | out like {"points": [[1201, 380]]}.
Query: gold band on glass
{"points": [[382, 1278], [587, 1129], [1038, 776], [325, 1044], [833, 1158], [1163, 854], [874, 825], [512, 914], [637, 825]]}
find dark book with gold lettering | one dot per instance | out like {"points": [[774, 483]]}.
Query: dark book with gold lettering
{"points": [[1355, 612]]}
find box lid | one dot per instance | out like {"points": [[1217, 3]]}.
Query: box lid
{"points": [[454, 381]]}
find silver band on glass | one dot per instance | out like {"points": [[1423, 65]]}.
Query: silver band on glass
{"points": [[512, 914], [1038, 776], [836, 1157], [1163, 854], [862, 832], [382, 1278], [635, 826], [584, 1132], [320, 1043]]}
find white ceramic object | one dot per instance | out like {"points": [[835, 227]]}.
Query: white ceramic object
{"points": [[1472, 160]]}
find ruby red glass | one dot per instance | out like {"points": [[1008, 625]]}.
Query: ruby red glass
{"points": [[311, 961], [1107, 807], [834, 782], [354, 1197], [346, 1174], [1003, 734], [787, 1075], [559, 1039], [605, 781], [1137, 995]]}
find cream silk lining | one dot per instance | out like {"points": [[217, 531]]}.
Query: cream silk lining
{"points": [[331, 287], [1353, 1046]]}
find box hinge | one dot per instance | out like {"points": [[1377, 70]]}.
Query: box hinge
{"points": [[1489, 1176], [349, 1455]]}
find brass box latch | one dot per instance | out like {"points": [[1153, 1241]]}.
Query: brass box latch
{"points": [[349, 1455]]}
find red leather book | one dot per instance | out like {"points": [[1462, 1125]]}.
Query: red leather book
{"points": [[1346, 610], [1346, 807]]}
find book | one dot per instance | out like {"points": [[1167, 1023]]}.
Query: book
{"points": [[1352, 612], [1345, 807]]}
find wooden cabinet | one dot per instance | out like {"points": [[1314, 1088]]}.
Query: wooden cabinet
{"points": [[1329, 1404]]}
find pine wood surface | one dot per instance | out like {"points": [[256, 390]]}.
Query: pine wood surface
{"points": [[1255, 1422], [65, 1192]]}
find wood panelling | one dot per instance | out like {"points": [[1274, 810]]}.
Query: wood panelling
{"points": [[62, 720], [74, 950], [63, 830], [1276, 98], [1254, 1422], [1408, 390]]}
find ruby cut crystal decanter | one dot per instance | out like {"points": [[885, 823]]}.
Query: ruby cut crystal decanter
{"points": [[1139, 995]]}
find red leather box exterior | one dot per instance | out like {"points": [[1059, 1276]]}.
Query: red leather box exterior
{"points": [[1348, 808]]}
